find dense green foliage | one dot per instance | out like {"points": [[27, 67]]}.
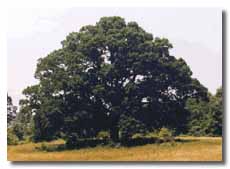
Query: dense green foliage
{"points": [[113, 76], [206, 116]]}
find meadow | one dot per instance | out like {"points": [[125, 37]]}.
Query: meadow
{"points": [[188, 149]]}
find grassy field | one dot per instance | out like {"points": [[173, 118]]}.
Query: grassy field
{"points": [[190, 149]]}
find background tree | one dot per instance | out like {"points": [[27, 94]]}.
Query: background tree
{"points": [[107, 71], [216, 113], [199, 117], [206, 116], [11, 110], [12, 138]]}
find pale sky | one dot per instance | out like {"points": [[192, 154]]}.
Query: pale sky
{"points": [[196, 34]]}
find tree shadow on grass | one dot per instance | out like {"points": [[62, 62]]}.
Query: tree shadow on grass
{"points": [[141, 141], [186, 141], [91, 143], [86, 143]]}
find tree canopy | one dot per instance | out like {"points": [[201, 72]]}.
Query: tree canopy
{"points": [[106, 74]]}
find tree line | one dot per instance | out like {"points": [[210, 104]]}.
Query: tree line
{"points": [[115, 77]]}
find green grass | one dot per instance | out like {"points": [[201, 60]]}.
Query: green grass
{"points": [[189, 149]]}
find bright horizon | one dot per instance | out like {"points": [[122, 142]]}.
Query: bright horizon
{"points": [[196, 35]]}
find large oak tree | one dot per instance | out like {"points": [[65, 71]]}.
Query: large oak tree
{"points": [[107, 71]]}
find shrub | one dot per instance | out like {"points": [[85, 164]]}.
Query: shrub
{"points": [[44, 147], [103, 135], [28, 139], [137, 136], [12, 139], [166, 134], [152, 134], [50, 148]]}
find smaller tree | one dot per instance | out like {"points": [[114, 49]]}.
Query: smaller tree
{"points": [[11, 110], [216, 114], [206, 116], [199, 116]]}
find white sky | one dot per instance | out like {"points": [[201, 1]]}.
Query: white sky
{"points": [[196, 35]]}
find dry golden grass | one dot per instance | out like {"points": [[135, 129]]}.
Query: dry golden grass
{"points": [[195, 149]]}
